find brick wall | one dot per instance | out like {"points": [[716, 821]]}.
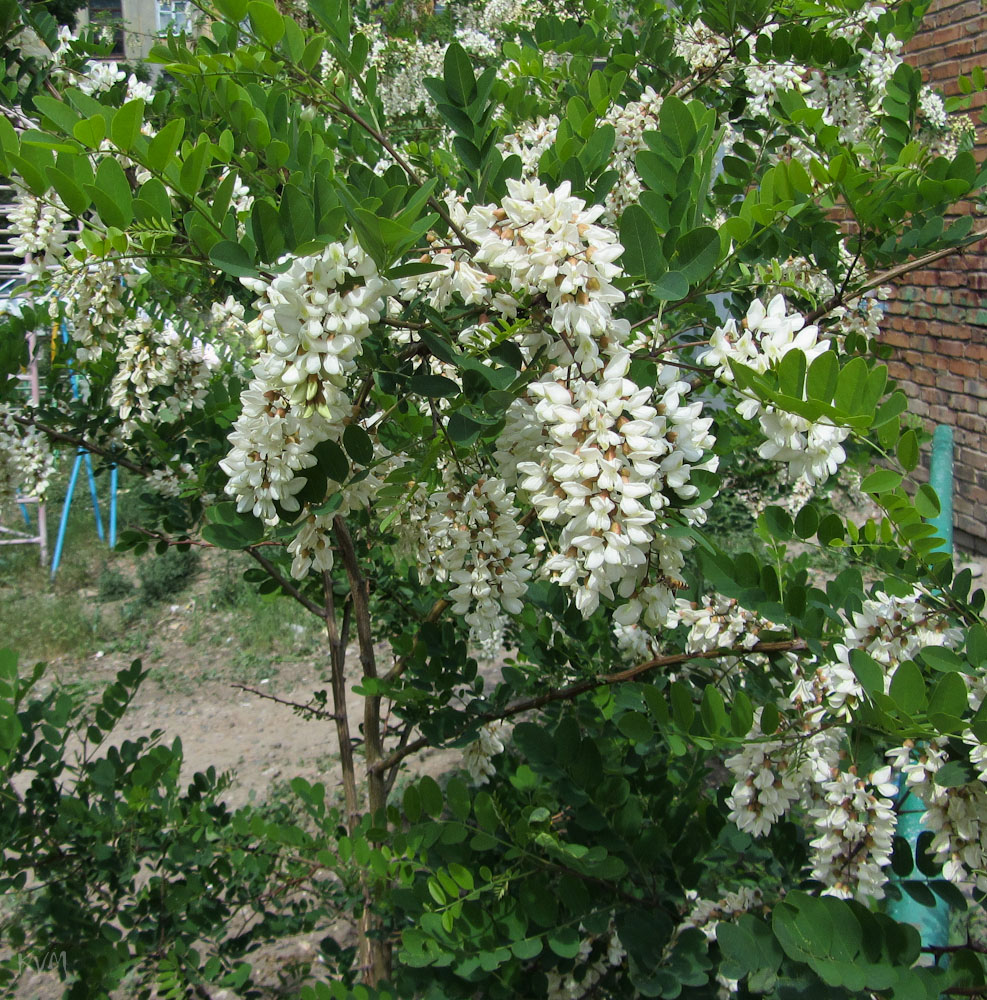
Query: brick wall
{"points": [[937, 323]]}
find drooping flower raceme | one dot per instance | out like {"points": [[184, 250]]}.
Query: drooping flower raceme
{"points": [[159, 371], [38, 231], [614, 457], [26, 460], [311, 324], [857, 821], [549, 243], [889, 630], [472, 539], [478, 756]]}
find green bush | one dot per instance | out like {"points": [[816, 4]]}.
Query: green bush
{"points": [[113, 585], [167, 574]]}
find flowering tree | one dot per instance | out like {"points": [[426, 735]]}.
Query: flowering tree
{"points": [[464, 338]]}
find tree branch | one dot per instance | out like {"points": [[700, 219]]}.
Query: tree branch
{"points": [[572, 691], [285, 583], [79, 442], [892, 274]]}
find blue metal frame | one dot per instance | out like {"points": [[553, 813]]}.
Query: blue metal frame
{"points": [[83, 456]]}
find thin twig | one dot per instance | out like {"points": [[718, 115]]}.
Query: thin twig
{"points": [[319, 713], [892, 274], [433, 202]]}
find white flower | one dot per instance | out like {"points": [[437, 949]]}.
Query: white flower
{"points": [[478, 756], [473, 539]]}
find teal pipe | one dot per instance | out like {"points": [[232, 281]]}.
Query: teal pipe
{"points": [[941, 480], [932, 922]]}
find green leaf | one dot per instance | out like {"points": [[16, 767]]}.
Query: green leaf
{"points": [[807, 521], [58, 112], [233, 259], [949, 697], [851, 385], [90, 131], [868, 671], [267, 23], [881, 481], [820, 383], [927, 501], [678, 127], [908, 688], [332, 461], [161, 150], [942, 659], [194, 168], [564, 941], [431, 796], [265, 225], [458, 75], [432, 386], [412, 803], [696, 254], [671, 286], [908, 450], [636, 727], [126, 125], [830, 529], [683, 711], [713, 711], [642, 251], [112, 194], [463, 429], [76, 200], [527, 949], [778, 522], [358, 444]]}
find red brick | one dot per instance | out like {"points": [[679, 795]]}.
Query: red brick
{"points": [[968, 369]]}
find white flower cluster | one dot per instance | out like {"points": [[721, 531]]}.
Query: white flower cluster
{"points": [[138, 90], [853, 818], [92, 297], [812, 449], [169, 482], [530, 142], [879, 64], [547, 243], [478, 756], [613, 458], [774, 772], [402, 64], [311, 323], [857, 821], [98, 76], [39, 231], [765, 81], [890, 630], [27, 463], [718, 622], [702, 48], [159, 371], [706, 914], [629, 121], [473, 539], [956, 815]]}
